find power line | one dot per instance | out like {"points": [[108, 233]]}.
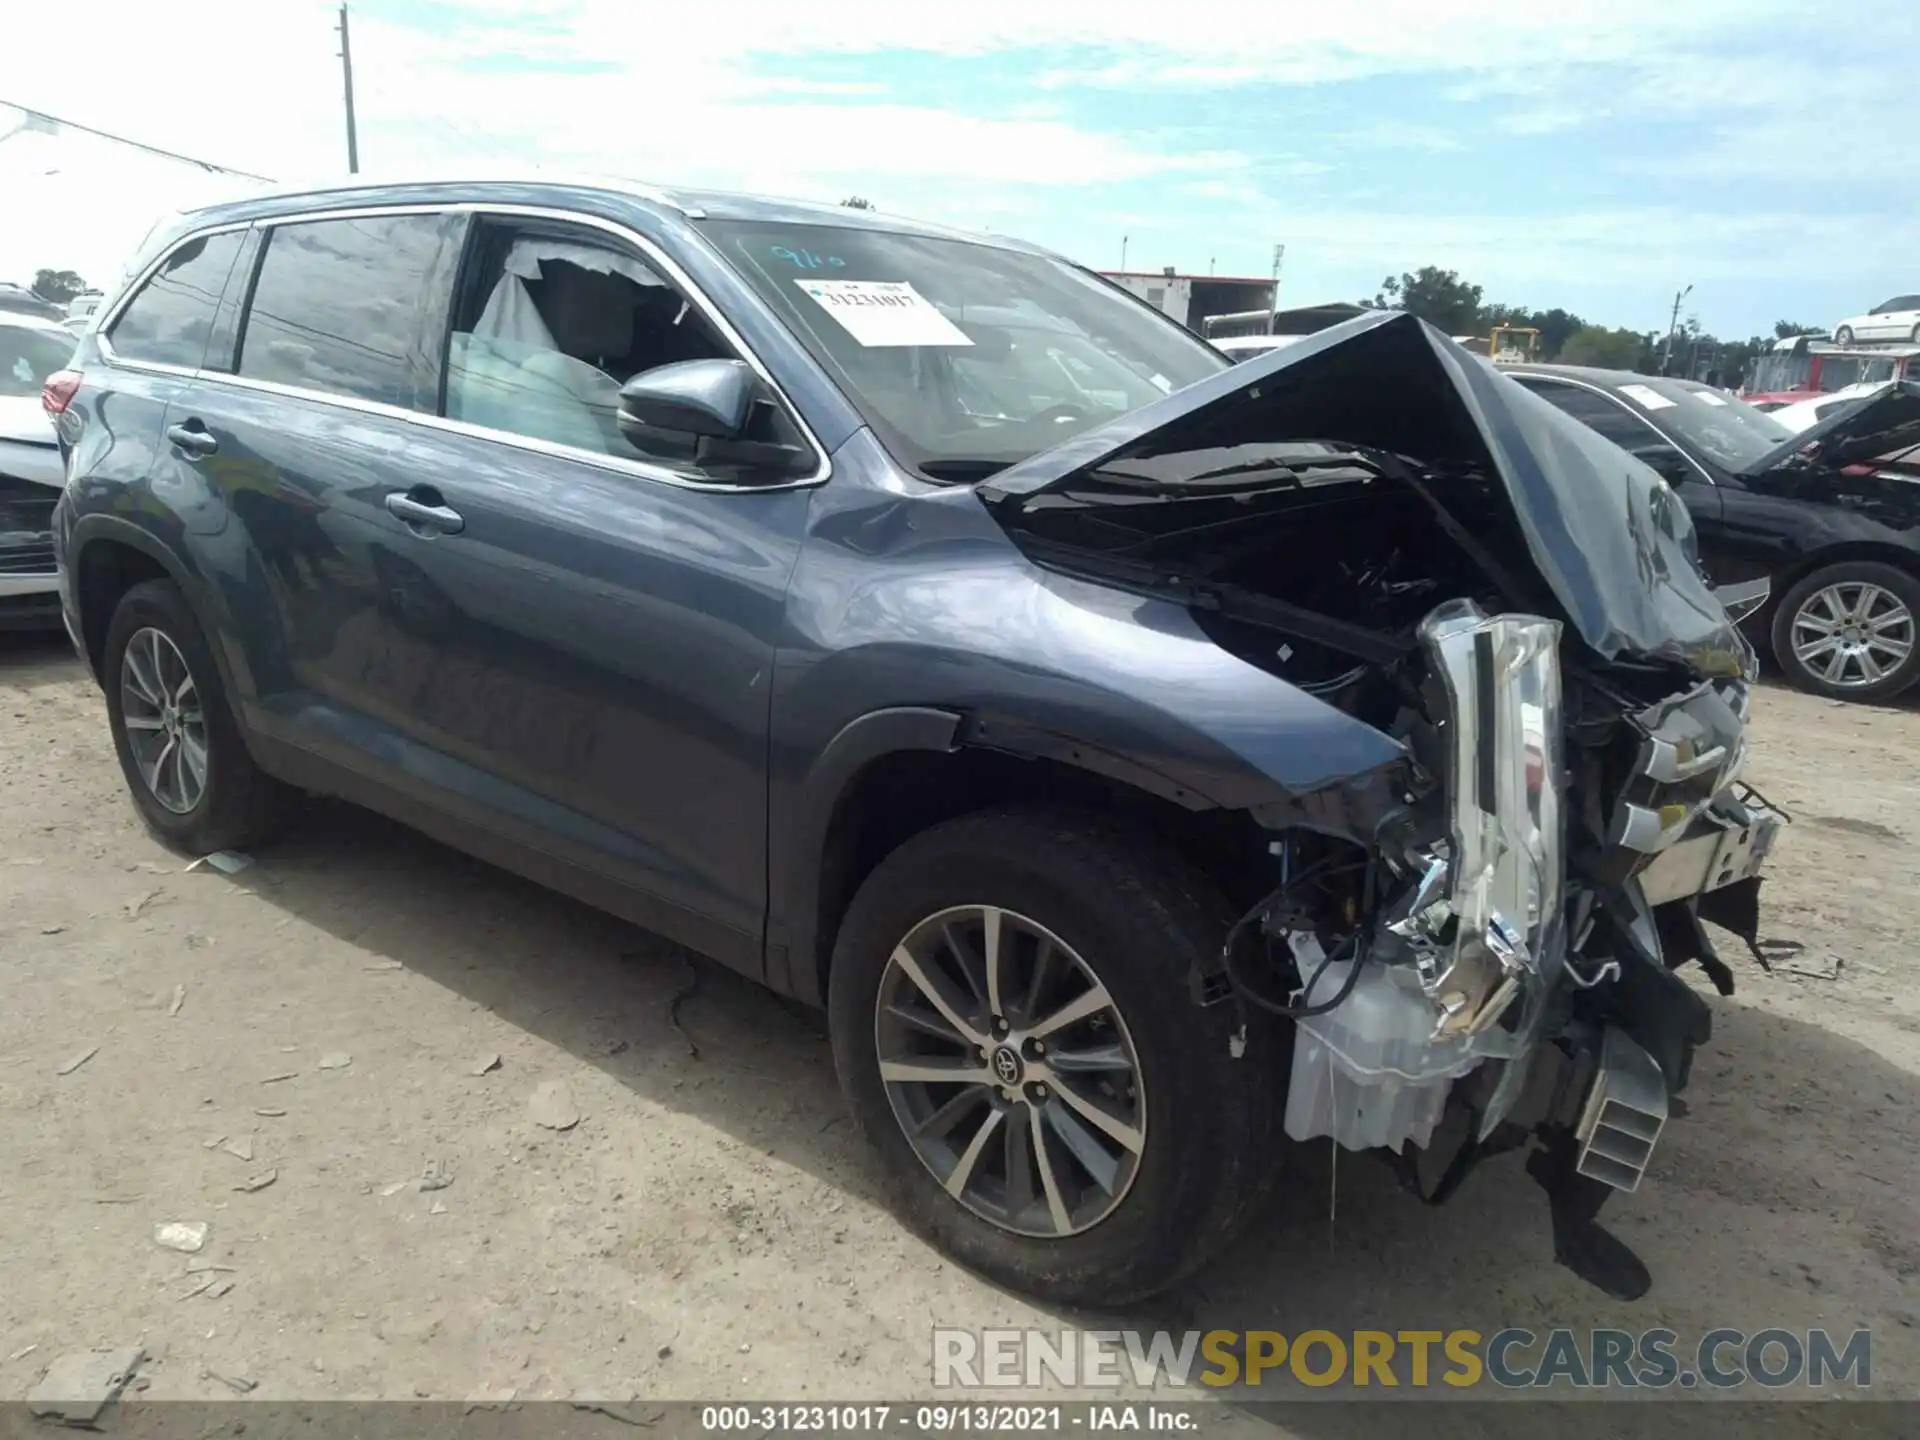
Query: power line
{"points": [[33, 115]]}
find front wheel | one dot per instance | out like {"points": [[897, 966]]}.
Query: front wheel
{"points": [[1848, 631], [1843, 336], [1016, 1033]]}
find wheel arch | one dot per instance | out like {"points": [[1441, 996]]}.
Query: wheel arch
{"points": [[896, 773], [107, 556], [1845, 552]]}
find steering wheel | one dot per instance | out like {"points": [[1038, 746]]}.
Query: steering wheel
{"points": [[1057, 412]]}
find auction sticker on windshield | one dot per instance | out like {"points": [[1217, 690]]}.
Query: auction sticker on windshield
{"points": [[1649, 399], [883, 312]]}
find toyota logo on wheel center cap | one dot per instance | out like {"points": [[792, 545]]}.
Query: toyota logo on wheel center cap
{"points": [[1006, 1065]]}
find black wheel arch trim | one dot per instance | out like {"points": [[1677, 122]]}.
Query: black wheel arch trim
{"points": [[89, 530], [797, 841], [799, 827]]}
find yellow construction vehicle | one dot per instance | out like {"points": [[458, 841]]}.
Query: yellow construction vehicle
{"points": [[1513, 344]]}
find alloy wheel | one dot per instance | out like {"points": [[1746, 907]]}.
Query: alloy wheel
{"points": [[1010, 1071], [1853, 634], [165, 724]]}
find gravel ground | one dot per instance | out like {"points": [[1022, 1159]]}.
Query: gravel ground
{"points": [[709, 1228]]}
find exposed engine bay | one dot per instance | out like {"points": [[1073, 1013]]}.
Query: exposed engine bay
{"points": [[1484, 955]]}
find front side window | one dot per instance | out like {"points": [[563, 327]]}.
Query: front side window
{"points": [[343, 307], [965, 357], [1597, 412], [167, 323], [552, 320]]}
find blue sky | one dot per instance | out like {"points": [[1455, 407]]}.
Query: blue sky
{"points": [[1592, 155]]}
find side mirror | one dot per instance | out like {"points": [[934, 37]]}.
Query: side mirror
{"points": [[737, 435], [1667, 462], [708, 399]]}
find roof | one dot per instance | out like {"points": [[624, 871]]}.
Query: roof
{"points": [[1203, 279], [691, 203], [1592, 374]]}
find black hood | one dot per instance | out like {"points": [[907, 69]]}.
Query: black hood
{"points": [[1882, 427], [1606, 534]]}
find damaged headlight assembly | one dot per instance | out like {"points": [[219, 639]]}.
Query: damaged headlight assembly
{"points": [[1484, 920], [1478, 923]]}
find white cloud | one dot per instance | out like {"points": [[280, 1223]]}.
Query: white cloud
{"points": [[741, 97]]}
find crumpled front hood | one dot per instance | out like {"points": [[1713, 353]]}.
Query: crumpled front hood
{"points": [[1607, 535]]}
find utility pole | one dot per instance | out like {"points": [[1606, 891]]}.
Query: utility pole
{"points": [[1666, 358], [1273, 307], [1123, 252], [346, 71]]}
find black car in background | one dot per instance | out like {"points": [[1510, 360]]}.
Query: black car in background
{"points": [[1829, 516]]}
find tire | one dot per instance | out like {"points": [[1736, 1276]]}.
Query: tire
{"points": [[237, 804], [1832, 590], [1843, 336], [1914, 338], [1139, 917]]}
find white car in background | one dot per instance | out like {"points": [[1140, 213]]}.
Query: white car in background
{"points": [[31, 472], [1895, 319], [1803, 413]]}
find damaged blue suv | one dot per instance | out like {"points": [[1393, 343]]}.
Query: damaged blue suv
{"points": [[1143, 760]]}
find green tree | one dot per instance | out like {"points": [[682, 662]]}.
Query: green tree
{"points": [[58, 286], [1440, 297], [856, 202], [1607, 349], [1787, 329]]}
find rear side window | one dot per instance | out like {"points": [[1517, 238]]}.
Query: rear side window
{"points": [[1596, 412], [352, 307], [168, 321]]}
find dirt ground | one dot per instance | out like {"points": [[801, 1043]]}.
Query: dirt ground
{"points": [[709, 1228]]}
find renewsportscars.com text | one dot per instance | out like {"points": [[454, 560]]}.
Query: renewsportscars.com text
{"points": [[1512, 1358]]}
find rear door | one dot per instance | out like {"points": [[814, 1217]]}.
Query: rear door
{"points": [[295, 431]]}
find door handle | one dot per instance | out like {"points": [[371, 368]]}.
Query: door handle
{"points": [[193, 438], [425, 512]]}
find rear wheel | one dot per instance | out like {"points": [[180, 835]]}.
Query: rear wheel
{"points": [[186, 765], [1015, 1031], [1851, 631]]}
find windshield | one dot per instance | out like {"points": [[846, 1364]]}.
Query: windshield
{"points": [[964, 357], [28, 355], [1727, 431], [1837, 372], [1773, 374]]}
